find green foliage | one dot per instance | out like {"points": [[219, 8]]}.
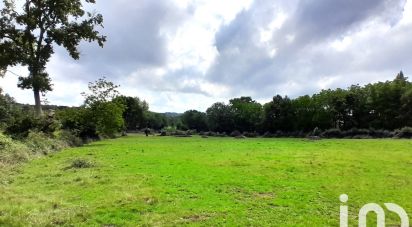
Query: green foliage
{"points": [[135, 112], [405, 132], [69, 137], [156, 121], [12, 151], [100, 91], [247, 113], [35, 144], [196, 120], [221, 117], [8, 109], [23, 124], [109, 118], [81, 164], [40, 143], [278, 114], [332, 133], [29, 36], [78, 121], [104, 109]]}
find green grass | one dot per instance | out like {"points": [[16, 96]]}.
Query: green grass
{"points": [[158, 181]]}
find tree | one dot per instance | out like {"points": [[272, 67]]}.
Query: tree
{"points": [[28, 36], [134, 115], [220, 117], [304, 112], [156, 121], [194, 119], [107, 110], [7, 109], [279, 114], [248, 114]]}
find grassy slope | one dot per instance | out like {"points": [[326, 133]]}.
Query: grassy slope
{"points": [[214, 181]]}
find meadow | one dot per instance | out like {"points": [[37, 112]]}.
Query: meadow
{"points": [[169, 181]]}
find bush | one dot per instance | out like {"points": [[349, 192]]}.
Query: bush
{"points": [[381, 133], [332, 133], [163, 133], [358, 133], [251, 134], [70, 138], [236, 133], [211, 133], [268, 135], [80, 164], [40, 143], [79, 122], [316, 132], [362, 137], [11, 151], [22, 125], [178, 133], [221, 134], [405, 133]]}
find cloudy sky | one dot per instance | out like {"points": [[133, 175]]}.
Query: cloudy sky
{"points": [[188, 54]]}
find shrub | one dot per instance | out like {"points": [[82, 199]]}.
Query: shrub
{"points": [[280, 134], [405, 133], [79, 121], [362, 137], [80, 164], [316, 132], [332, 133], [70, 138], [211, 133], [22, 125], [40, 143], [358, 133], [11, 151], [221, 134], [178, 133], [163, 133], [268, 135], [235, 133], [251, 134], [381, 133]]}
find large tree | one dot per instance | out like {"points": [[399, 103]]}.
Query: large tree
{"points": [[28, 37], [247, 114], [194, 119], [135, 112]]}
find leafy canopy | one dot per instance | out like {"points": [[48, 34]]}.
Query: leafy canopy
{"points": [[28, 36]]}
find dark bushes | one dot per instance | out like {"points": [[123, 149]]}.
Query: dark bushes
{"points": [[405, 133], [251, 134], [235, 133], [332, 133], [22, 125]]}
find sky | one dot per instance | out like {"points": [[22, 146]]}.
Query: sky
{"points": [[188, 54]]}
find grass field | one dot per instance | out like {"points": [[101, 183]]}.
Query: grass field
{"points": [[160, 181]]}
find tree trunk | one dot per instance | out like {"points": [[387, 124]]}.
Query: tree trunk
{"points": [[37, 101]]}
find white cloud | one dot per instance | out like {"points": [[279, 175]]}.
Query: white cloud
{"points": [[188, 54]]}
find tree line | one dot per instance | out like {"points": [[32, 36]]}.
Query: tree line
{"points": [[376, 110], [381, 106]]}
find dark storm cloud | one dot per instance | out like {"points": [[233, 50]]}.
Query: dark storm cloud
{"points": [[245, 65]]}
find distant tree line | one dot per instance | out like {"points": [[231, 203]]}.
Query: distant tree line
{"points": [[381, 106], [375, 110]]}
